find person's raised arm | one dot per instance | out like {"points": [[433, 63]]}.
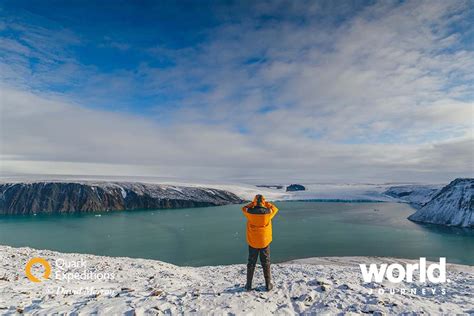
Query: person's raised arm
{"points": [[246, 207], [273, 209]]}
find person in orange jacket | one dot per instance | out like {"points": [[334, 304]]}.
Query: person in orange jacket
{"points": [[259, 214]]}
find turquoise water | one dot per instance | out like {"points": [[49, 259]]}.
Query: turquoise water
{"points": [[216, 235]]}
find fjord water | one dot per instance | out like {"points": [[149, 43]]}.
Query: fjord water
{"points": [[216, 235]]}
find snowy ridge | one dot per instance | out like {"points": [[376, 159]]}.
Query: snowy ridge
{"points": [[148, 287], [453, 205]]}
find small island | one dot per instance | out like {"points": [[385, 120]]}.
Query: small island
{"points": [[295, 187]]}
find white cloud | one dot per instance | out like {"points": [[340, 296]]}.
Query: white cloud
{"points": [[384, 96], [44, 136]]}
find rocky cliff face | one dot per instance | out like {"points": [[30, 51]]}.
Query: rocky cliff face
{"points": [[70, 197], [453, 205]]}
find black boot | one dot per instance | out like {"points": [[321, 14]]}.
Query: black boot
{"points": [[268, 277], [250, 270]]}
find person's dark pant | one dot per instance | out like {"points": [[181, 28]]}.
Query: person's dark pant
{"points": [[264, 256]]}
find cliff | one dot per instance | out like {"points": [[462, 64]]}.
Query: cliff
{"points": [[453, 205], [70, 197]]}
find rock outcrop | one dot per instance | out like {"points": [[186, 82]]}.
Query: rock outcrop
{"points": [[453, 205], [71, 197], [295, 187], [270, 186]]}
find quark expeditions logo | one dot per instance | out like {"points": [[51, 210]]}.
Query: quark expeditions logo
{"points": [[41, 261], [397, 273], [76, 274]]}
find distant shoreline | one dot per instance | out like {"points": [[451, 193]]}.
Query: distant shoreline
{"points": [[164, 209], [342, 201], [314, 260]]}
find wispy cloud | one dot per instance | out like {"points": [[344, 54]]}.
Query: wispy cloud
{"points": [[279, 90]]}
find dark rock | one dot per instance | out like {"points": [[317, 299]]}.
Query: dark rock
{"points": [[270, 186], [156, 293], [74, 197], [295, 187]]}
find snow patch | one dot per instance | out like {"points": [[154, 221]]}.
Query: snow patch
{"points": [[124, 193]]}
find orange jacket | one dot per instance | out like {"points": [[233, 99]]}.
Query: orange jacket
{"points": [[259, 226]]}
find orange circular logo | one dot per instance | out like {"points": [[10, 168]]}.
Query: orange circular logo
{"points": [[31, 263]]}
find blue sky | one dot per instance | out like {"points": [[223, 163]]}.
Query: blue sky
{"points": [[312, 90], [125, 38]]}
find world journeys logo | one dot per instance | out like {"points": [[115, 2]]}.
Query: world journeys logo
{"points": [[411, 272]]}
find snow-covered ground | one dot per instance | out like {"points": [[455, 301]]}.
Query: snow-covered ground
{"points": [[148, 287]]}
